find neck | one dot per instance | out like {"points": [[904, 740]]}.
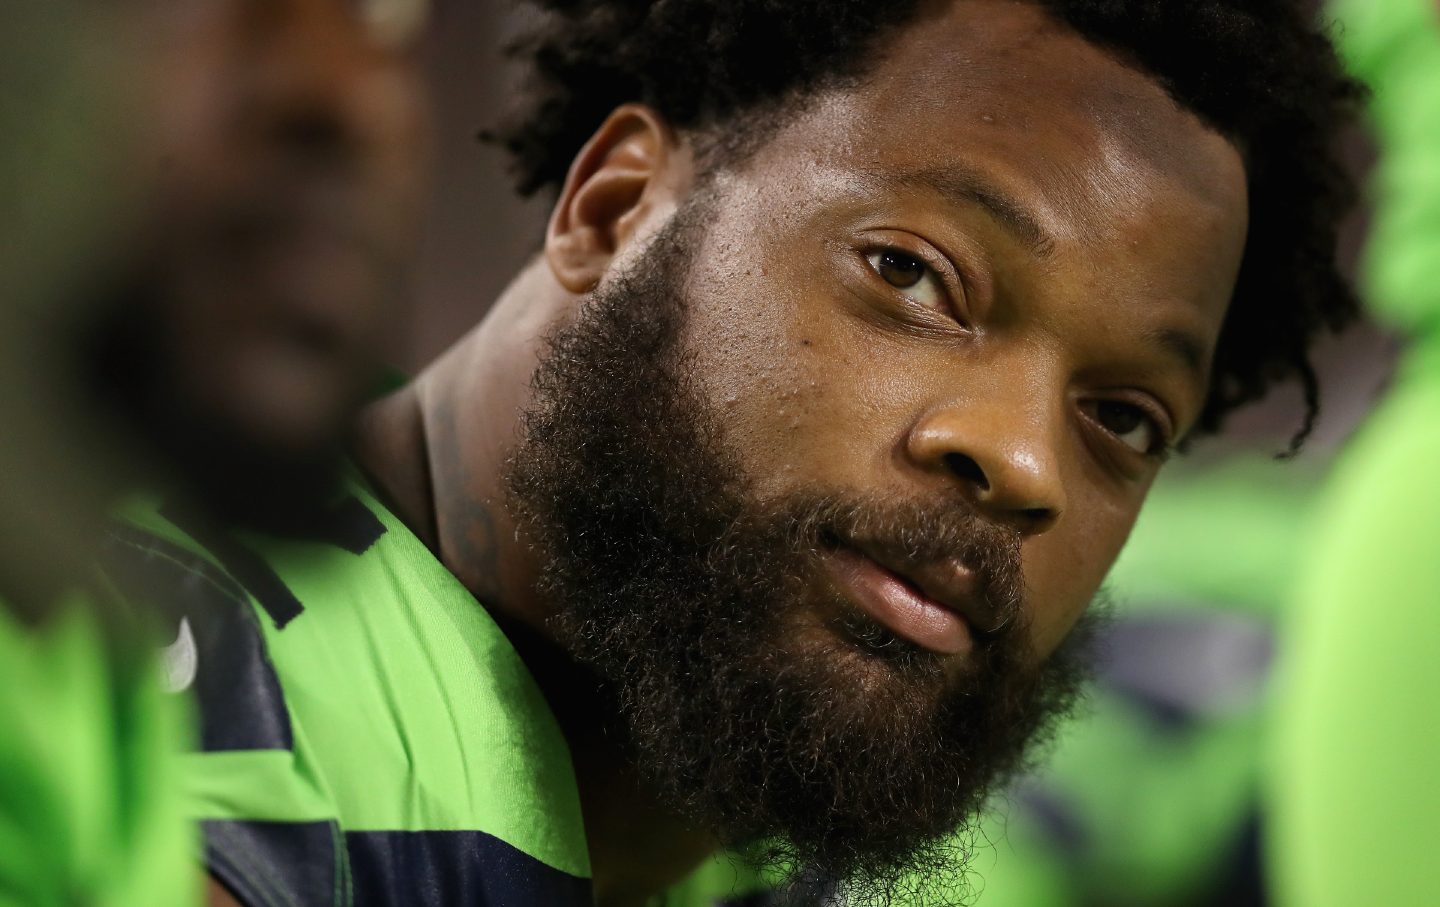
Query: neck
{"points": [[437, 451]]}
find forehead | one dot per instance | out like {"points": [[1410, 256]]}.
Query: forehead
{"points": [[1124, 185], [1005, 74], [1009, 66]]}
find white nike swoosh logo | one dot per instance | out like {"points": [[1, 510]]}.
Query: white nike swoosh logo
{"points": [[180, 661]]}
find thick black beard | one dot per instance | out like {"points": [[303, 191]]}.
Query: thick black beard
{"points": [[845, 753]]}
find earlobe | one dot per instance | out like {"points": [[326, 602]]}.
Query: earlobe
{"points": [[616, 183]]}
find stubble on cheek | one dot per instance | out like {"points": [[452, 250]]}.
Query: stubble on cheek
{"points": [[1065, 570]]}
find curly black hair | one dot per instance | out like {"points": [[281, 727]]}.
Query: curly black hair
{"points": [[1261, 72]]}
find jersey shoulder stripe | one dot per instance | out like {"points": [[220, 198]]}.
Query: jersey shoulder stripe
{"points": [[384, 702], [242, 707], [374, 740]]}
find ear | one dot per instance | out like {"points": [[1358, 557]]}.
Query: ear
{"points": [[621, 178]]}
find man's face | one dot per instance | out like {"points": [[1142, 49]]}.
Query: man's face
{"points": [[288, 152], [825, 473], [996, 271]]}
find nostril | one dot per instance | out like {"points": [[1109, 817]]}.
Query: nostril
{"points": [[966, 468], [1038, 516], [310, 128]]}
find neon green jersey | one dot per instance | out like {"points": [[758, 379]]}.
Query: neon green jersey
{"points": [[368, 734], [1356, 810], [1355, 804], [89, 745]]}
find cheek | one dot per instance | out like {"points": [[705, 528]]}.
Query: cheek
{"points": [[778, 395], [196, 80], [1065, 567], [755, 333], [799, 387], [391, 120]]}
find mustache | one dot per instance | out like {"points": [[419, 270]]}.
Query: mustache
{"points": [[920, 539]]}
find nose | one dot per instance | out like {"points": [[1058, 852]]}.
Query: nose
{"points": [[322, 88], [1004, 458]]}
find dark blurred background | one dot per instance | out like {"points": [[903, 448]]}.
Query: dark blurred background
{"points": [[479, 231]]}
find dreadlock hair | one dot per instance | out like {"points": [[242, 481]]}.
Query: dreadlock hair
{"points": [[1260, 72]]}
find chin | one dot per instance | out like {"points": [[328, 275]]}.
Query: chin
{"points": [[252, 459]]}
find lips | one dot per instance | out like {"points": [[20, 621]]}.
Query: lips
{"points": [[937, 605], [311, 266]]}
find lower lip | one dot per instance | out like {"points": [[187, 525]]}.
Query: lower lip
{"points": [[900, 607]]}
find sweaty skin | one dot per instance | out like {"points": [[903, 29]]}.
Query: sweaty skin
{"points": [[1081, 235]]}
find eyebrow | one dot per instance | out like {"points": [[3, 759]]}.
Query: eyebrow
{"points": [[1185, 346], [963, 187]]}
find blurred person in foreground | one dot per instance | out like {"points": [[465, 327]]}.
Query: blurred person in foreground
{"points": [[243, 320], [89, 812], [1356, 806], [210, 341], [762, 509]]}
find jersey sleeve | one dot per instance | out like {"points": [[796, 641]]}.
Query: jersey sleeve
{"points": [[367, 735], [269, 831]]}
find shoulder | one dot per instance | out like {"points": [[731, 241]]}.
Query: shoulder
{"points": [[359, 709]]}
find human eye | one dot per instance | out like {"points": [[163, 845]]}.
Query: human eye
{"points": [[912, 275], [393, 24], [1135, 426]]}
